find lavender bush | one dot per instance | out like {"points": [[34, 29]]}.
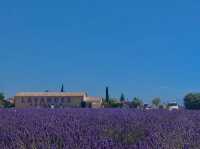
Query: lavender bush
{"points": [[99, 128]]}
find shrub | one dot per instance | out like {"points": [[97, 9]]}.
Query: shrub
{"points": [[192, 101]]}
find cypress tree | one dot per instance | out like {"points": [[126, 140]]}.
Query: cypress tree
{"points": [[62, 88], [107, 94], [122, 97]]}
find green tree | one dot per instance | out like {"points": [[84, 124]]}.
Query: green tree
{"points": [[2, 97], [114, 104], [136, 102], [83, 104], [192, 101], [62, 88], [156, 101], [161, 106], [107, 94], [122, 97], [4, 103]]}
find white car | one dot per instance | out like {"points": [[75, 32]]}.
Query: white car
{"points": [[173, 106], [147, 107]]}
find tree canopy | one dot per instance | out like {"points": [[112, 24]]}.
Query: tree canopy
{"points": [[4, 103], [156, 101], [122, 97], [136, 102], [192, 101], [107, 94], [62, 88], [2, 97]]}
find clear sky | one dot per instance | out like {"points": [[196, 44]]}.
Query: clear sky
{"points": [[141, 48]]}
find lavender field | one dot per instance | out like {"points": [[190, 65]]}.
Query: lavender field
{"points": [[99, 129]]}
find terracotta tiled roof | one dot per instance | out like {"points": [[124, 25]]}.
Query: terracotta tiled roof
{"points": [[51, 94]]}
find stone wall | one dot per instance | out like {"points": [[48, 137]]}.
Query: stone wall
{"points": [[48, 101]]}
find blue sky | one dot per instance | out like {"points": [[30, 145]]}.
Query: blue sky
{"points": [[141, 48]]}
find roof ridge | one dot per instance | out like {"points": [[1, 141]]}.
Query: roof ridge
{"points": [[50, 93]]}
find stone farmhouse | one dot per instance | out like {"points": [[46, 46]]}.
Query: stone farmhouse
{"points": [[55, 100]]}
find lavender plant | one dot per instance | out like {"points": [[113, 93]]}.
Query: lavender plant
{"points": [[99, 129]]}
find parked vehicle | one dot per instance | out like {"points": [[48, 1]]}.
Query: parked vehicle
{"points": [[173, 106], [147, 107]]}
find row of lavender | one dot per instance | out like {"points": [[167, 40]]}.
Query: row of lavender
{"points": [[102, 128]]}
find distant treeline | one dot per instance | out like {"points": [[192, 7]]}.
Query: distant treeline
{"points": [[5, 103], [191, 101]]}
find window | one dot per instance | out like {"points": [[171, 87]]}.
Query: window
{"points": [[172, 104], [35, 101], [30, 101], [22, 100], [56, 100], [62, 100], [49, 100], [42, 102], [68, 99]]}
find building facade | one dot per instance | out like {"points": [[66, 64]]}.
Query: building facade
{"points": [[93, 101], [54, 100]]}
